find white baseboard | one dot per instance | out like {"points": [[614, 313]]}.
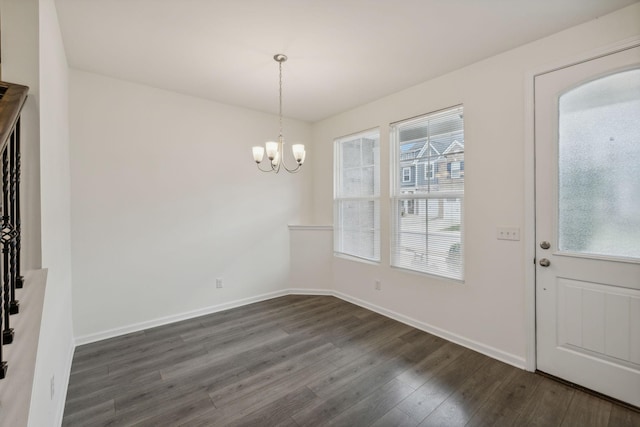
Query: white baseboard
{"points": [[136, 327], [511, 359], [303, 291]]}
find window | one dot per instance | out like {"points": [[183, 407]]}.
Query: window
{"points": [[357, 196], [429, 171], [406, 174], [431, 240], [455, 170]]}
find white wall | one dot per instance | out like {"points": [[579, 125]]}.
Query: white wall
{"points": [[311, 258], [487, 311], [55, 346], [165, 199], [33, 55]]}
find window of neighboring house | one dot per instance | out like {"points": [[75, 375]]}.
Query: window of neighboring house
{"points": [[406, 174], [357, 196], [455, 169], [411, 207], [431, 241], [429, 170]]}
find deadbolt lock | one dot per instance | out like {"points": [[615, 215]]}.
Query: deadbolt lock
{"points": [[545, 245]]}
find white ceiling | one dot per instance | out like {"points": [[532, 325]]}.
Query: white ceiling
{"points": [[342, 53]]}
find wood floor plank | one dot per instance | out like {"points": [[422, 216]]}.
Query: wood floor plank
{"points": [[586, 410], [365, 343], [350, 394], [177, 412], [441, 385], [273, 374], [420, 373], [304, 347], [173, 329], [324, 315], [243, 341], [395, 418], [149, 363], [311, 360], [168, 407], [624, 417], [278, 412], [458, 409], [421, 338], [114, 345], [260, 397], [295, 337], [547, 406], [98, 392], [345, 375], [508, 401], [374, 406], [89, 376], [200, 365], [95, 415], [286, 316], [144, 350]]}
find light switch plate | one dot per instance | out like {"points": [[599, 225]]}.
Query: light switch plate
{"points": [[508, 233]]}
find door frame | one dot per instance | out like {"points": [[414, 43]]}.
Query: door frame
{"points": [[529, 234]]}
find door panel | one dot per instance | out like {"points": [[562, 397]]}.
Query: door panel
{"points": [[597, 318], [587, 136]]}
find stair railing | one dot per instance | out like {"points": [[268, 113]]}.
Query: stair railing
{"points": [[12, 99]]}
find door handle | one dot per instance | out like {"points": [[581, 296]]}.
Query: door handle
{"points": [[544, 262]]}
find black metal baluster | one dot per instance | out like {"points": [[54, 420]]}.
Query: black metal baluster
{"points": [[16, 208], [6, 237], [3, 365], [14, 304]]}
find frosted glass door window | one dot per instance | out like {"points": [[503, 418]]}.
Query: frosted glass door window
{"points": [[599, 167]]}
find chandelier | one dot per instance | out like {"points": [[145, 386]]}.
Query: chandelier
{"points": [[275, 150]]}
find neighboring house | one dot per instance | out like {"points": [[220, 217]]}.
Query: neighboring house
{"points": [[431, 164]]}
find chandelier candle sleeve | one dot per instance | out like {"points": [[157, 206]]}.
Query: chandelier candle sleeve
{"points": [[272, 149], [275, 150], [258, 154], [298, 152]]}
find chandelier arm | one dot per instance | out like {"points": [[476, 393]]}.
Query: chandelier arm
{"points": [[295, 170], [283, 162], [265, 170]]}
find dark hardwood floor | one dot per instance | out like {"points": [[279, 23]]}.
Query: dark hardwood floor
{"points": [[308, 361]]}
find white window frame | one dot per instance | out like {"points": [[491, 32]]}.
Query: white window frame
{"points": [[457, 170], [340, 246], [406, 177], [429, 170], [399, 198]]}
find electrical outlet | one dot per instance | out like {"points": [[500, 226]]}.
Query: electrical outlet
{"points": [[53, 386], [218, 283], [508, 233], [378, 285]]}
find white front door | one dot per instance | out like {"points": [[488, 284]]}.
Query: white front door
{"points": [[587, 165]]}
